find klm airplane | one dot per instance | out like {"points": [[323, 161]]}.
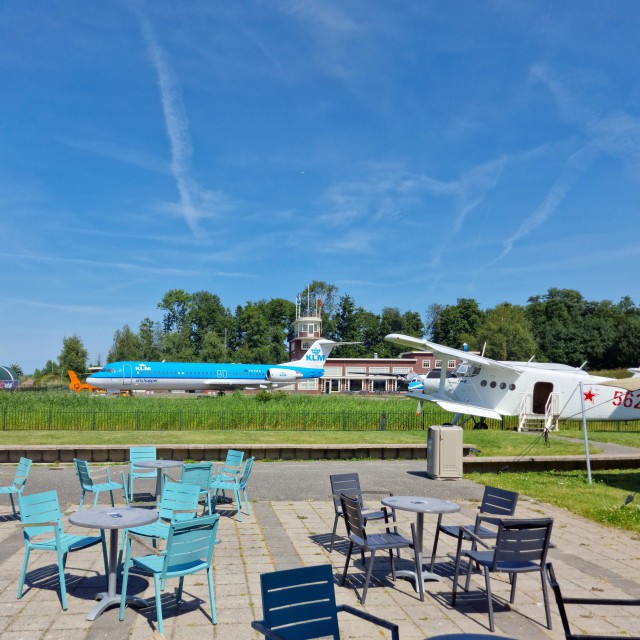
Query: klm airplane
{"points": [[211, 376]]}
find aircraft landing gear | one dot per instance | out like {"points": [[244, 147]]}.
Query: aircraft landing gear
{"points": [[481, 424], [220, 394]]}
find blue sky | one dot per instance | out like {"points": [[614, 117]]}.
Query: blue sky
{"points": [[409, 153]]}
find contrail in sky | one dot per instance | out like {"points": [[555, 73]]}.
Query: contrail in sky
{"points": [[176, 121]]}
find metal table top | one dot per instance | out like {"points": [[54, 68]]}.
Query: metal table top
{"points": [[419, 504], [113, 517]]}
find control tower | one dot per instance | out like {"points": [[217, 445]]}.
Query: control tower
{"points": [[307, 327]]}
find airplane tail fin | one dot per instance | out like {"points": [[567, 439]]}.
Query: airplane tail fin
{"points": [[317, 354], [75, 384]]}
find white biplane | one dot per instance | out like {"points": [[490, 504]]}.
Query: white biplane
{"points": [[534, 391]]}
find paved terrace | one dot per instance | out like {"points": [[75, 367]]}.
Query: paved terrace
{"points": [[290, 525]]}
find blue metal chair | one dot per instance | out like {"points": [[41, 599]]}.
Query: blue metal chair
{"points": [[235, 484], [139, 454], [189, 550], [179, 502], [199, 474], [301, 603], [40, 515], [87, 478], [231, 468], [19, 480]]}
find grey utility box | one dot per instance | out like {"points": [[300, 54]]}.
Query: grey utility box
{"points": [[444, 451]]}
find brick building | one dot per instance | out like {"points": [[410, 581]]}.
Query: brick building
{"points": [[356, 375]]}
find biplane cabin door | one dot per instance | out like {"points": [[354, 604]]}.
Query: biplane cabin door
{"points": [[541, 393]]}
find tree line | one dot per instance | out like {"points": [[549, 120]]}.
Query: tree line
{"points": [[559, 326]]}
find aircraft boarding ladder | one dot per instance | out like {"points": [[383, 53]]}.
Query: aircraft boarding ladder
{"points": [[529, 421]]}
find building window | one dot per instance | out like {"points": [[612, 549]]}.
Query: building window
{"points": [[438, 364], [378, 369], [426, 364], [332, 372], [451, 364], [402, 370], [306, 345], [308, 385], [351, 370]]}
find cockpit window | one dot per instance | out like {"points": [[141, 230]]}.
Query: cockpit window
{"points": [[467, 370], [107, 370]]}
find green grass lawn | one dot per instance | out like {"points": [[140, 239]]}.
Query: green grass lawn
{"points": [[488, 443], [603, 501]]}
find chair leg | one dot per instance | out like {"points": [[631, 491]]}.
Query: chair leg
{"points": [[95, 499], [238, 504], [81, 501], [487, 582], [179, 590], [513, 577], [246, 499], [156, 586], [23, 575], [13, 506], [346, 564], [113, 504], [435, 542], [62, 558], [212, 599], [368, 576], [105, 557], [545, 596], [125, 580], [333, 533]]}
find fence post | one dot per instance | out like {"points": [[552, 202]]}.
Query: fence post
{"points": [[49, 419], [383, 421], [4, 418]]}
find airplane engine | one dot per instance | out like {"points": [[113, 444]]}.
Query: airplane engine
{"points": [[283, 375]]}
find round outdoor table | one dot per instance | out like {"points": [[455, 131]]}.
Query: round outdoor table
{"points": [[419, 506], [158, 465], [113, 518]]}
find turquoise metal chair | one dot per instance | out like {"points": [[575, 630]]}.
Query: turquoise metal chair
{"points": [[88, 484], [189, 550], [301, 603], [19, 480], [40, 516], [199, 474], [139, 454], [179, 502], [235, 484]]}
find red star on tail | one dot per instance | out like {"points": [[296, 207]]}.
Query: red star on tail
{"points": [[589, 395]]}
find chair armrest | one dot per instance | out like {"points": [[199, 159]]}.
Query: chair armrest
{"points": [[465, 533], [141, 542], [371, 618], [258, 625]]}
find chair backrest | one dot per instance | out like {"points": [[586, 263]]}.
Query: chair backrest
{"points": [[246, 472], [352, 512], [198, 473], [190, 544], [300, 604], [21, 474], [234, 458], [519, 541], [347, 483], [39, 507], [498, 502], [83, 473], [177, 497], [138, 454]]}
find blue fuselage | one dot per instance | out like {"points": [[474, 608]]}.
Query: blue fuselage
{"points": [[194, 376]]}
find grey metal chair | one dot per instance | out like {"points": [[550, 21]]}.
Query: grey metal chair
{"points": [[349, 484], [371, 543], [589, 602], [521, 546], [496, 503]]}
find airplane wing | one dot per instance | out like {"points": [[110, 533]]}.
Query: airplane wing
{"points": [[458, 407], [425, 345]]}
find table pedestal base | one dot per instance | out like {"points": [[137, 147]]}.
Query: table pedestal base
{"points": [[411, 575], [106, 601]]}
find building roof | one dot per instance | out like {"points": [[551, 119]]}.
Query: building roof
{"points": [[6, 373]]}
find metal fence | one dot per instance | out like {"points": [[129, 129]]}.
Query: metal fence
{"points": [[257, 419]]}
